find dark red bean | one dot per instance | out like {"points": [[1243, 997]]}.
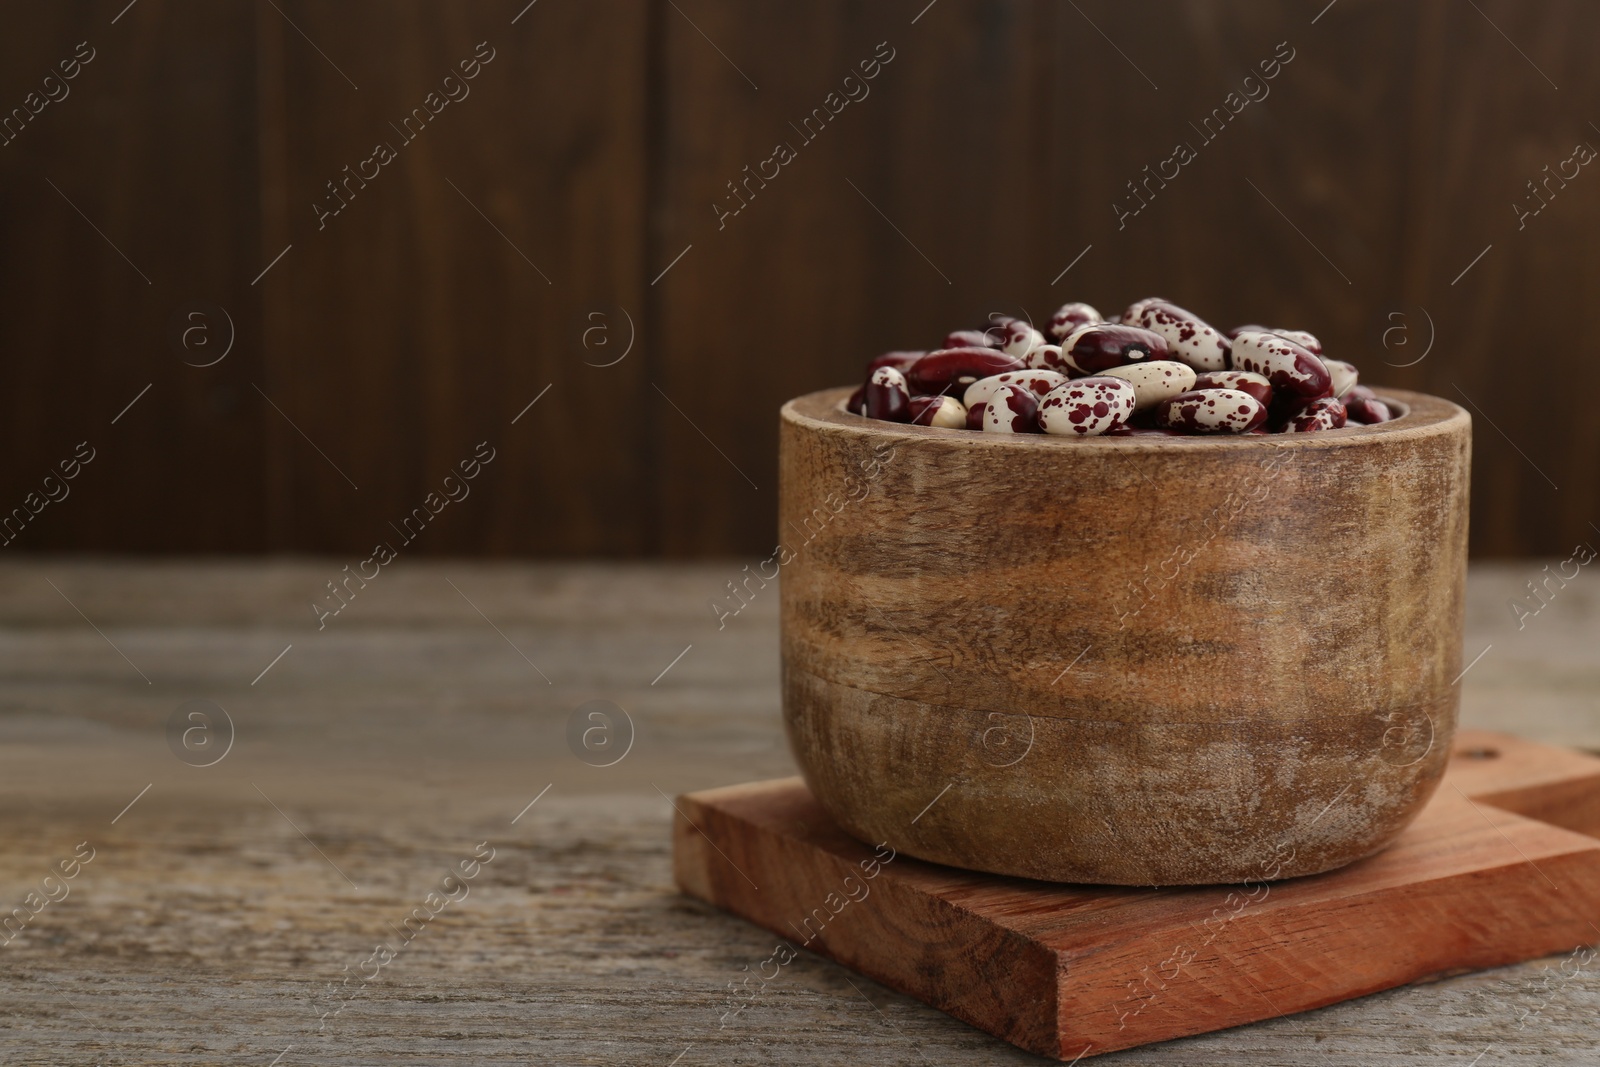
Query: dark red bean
{"points": [[1092, 349], [975, 415], [898, 360], [1359, 392], [856, 405], [971, 339], [938, 371], [1367, 410], [887, 396]]}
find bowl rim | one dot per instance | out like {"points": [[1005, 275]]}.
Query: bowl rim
{"points": [[1425, 415]]}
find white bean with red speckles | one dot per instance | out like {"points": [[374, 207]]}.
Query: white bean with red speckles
{"points": [[1039, 381], [1011, 409], [1016, 337], [1131, 312], [1047, 357], [1254, 384], [1212, 411], [1192, 340], [1324, 413], [1069, 317], [1087, 407], [1305, 340], [1287, 364], [1154, 380], [1342, 374]]}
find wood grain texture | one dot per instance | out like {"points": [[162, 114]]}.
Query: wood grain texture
{"points": [[503, 222], [985, 161], [410, 730], [1112, 641], [1068, 971]]}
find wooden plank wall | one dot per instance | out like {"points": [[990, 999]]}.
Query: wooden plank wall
{"points": [[568, 195]]}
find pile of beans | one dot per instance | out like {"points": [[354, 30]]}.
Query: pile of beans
{"points": [[1156, 370]]}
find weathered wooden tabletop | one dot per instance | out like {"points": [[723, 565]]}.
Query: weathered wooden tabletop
{"points": [[231, 913]]}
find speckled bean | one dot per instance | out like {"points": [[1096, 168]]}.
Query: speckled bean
{"points": [[1087, 407], [1091, 349], [887, 396], [1342, 374], [1069, 317], [1212, 411], [1288, 365], [938, 372], [1254, 384], [1154, 380], [1015, 337], [1039, 382], [1011, 409], [944, 411], [1367, 410], [1323, 413], [1130, 314], [1191, 339], [1300, 337], [1047, 357]]}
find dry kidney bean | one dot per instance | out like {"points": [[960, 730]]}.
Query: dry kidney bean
{"points": [[1192, 341], [1011, 409], [1087, 407], [1047, 357], [1015, 337], [1131, 312], [1305, 340], [1212, 411], [898, 360], [1157, 370], [1091, 349], [1286, 364], [937, 371], [1367, 410], [887, 396], [1254, 384], [968, 339], [1343, 375], [1039, 381], [944, 411], [1323, 413], [1154, 380], [1069, 317]]}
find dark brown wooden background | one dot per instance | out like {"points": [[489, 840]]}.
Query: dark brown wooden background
{"points": [[1391, 150]]}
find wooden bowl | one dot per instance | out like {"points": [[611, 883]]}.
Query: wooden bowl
{"points": [[1127, 661]]}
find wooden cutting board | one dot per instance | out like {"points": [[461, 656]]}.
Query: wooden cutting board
{"points": [[1499, 868]]}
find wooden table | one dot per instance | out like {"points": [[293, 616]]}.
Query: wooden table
{"points": [[225, 906]]}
